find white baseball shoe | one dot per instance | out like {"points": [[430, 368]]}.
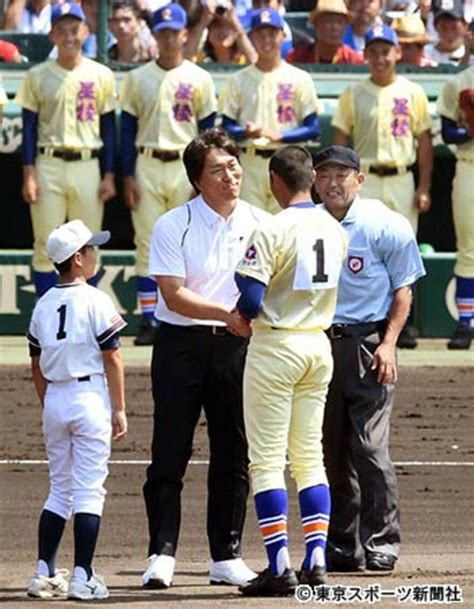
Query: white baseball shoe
{"points": [[232, 572], [160, 571], [92, 589], [49, 587]]}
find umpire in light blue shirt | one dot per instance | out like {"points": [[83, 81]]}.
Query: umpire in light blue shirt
{"points": [[373, 303]]}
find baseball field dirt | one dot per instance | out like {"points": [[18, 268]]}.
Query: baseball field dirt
{"points": [[432, 431]]}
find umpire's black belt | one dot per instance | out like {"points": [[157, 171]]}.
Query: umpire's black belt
{"points": [[263, 152], [166, 156], [383, 171], [350, 330], [199, 328], [69, 155]]}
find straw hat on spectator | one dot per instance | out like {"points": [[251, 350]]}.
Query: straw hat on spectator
{"points": [[410, 29], [329, 6]]}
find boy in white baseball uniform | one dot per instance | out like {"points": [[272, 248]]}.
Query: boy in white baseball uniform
{"points": [[78, 375]]}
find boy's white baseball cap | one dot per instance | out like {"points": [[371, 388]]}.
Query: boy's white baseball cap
{"points": [[69, 238]]}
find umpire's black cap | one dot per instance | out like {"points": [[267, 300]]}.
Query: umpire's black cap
{"points": [[339, 155]]}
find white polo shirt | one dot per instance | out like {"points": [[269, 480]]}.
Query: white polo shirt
{"points": [[196, 243]]}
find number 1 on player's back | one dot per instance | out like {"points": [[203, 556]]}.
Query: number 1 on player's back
{"points": [[62, 322]]}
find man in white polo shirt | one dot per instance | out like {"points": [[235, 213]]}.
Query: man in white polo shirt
{"points": [[198, 362]]}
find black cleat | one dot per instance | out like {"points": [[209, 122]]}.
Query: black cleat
{"points": [[378, 561], [461, 338], [146, 333], [315, 577], [268, 584], [407, 338], [338, 561]]}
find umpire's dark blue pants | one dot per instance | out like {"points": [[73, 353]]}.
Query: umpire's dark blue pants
{"points": [[364, 513], [191, 369]]}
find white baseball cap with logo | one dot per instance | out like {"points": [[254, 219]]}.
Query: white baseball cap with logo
{"points": [[69, 238]]}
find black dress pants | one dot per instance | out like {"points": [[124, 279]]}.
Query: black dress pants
{"points": [[364, 512], [194, 369]]}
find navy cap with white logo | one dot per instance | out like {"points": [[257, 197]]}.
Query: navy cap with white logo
{"points": [[383, 33]]}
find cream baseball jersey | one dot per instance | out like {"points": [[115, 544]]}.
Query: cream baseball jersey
{"points": [[68, 102], [298, 255], [279, 100], [168, 103], [384, 121], [3, 97], [448, 106], [69, 324]]}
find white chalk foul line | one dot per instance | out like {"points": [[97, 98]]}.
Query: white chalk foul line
{"points": [[205, 462]]}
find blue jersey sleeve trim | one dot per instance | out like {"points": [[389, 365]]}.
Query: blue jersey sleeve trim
{"points": [[30, 137], [233, 128], [452, 133], [128, 135], [252, 293], [111, 343], [207, 122], [308, 131], [107, 134]]}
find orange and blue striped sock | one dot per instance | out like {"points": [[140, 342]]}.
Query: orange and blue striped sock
{"points": [[147, 296], [315, 507], [465, 299], [272, 512]]}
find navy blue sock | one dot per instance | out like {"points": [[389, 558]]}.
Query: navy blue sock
{"points": [[86, 532], [465, 298], [50, 531], [44, 281], [315, 507]]}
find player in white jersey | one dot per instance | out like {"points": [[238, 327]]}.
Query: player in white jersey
{"points": [[288, 281], [78, 374]]}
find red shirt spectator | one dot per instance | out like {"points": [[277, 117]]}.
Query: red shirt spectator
{"points": [[308, 54], [9, 52]]}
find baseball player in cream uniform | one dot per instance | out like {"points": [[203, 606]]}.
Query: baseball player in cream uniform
{"points": [[456, 107], [165, 103], [3, 102], [387, 117], [266, 105], [288, 282], [78, 374], [68, 117]]}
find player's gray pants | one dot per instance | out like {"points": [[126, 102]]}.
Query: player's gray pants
{"points": [[364, 513]]}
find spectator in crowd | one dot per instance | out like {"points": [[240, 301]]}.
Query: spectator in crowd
{"points": [[456, 108], [124, 23], [452, 30], [266, 105], [364, 15], [225, 40], [90, 43], [329, 18], [31, 17], [388, 119], [164, 105], [412, 37], [9, 53]]}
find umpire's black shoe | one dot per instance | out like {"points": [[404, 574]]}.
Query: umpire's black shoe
{"points": [[339, 561], [315, 577], [268, 584], [378, 561], [407, 338], [146, 333], [461, 338]]}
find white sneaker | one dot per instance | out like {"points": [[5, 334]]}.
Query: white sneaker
{"points": [[93, 589], [160, 571], [47, 587], [233, 572]]}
